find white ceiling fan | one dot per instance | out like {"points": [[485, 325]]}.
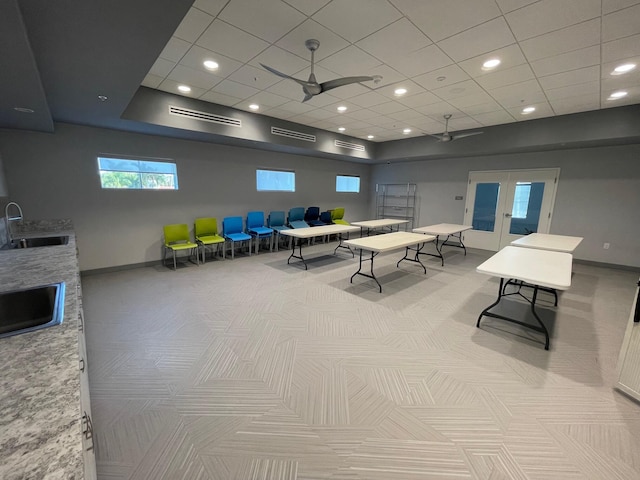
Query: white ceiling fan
{"points": [[311, 87], [446, 136]]}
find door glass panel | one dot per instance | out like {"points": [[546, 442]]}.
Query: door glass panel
{"points": [[484, 207], [527, 202]]}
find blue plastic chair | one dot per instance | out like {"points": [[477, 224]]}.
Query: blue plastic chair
{"points": [[325, 217], [312, 217], [232, 231], [257, 229], [296, 218], [275, 220]]}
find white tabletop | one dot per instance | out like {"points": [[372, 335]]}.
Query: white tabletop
{"points": [[389, 241], [544, 268], [319, 231], [443, 229], [546, 241], [382, 222]]}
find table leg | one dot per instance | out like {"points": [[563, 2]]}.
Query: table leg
{"points": [[372, 275], [538, 328], [342, 246], [520, 284], [416, 259], [438, 249], [297, 241]]}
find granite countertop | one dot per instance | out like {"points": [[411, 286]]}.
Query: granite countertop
{"points": [[40, 432]]}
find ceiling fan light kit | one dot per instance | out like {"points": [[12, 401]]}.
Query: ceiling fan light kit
{"points": [[311, 87]]}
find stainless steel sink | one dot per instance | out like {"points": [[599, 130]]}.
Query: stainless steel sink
{"points": [[23, 311], [37, 242]]}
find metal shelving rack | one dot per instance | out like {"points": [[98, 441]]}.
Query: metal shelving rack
{"points": [[397, 200]]}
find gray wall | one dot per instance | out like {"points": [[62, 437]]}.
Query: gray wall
{"points": [[55, 176], [598, 195]]}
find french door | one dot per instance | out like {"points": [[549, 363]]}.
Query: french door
{"points": [[504, 205]]}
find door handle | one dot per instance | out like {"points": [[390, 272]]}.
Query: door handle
{"points": [[508, 215]]}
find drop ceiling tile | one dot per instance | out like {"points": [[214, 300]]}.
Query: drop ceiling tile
{"points": [[356, 19], [621, 82], [406, 115], [411, 87], [476, 100], [231, 41], [369, 99], [235, 89], [506, 76], [193, 24], [437, 110], [632, 98], [462, 89], [308, 7], [419, 100], [488, 37], [320, 114], [171, 86], [152, 81], [568, 39], [219, 98], [285, 88], [622, 49], [193, 78], [525, 93], [212, 7], [196, 55], [277, 112], [426, 59], [441, 77], [388, 74], [364, 114], [574, 90], [585, 57], [330, 43], [349, 91], [333, 107], [162, 67], [573, 77], [350, 61], [175, 49], [543, 109], [296, 107], [550, 16], [609, 6], [510, 5], [510, 56], [622, 23], [440, 19], [357, 125], [254, 77], [401, 36], [581, 103], [494, 118], [428, 125], [387, 108], [266, 99], [281, 60], [267, 20]]}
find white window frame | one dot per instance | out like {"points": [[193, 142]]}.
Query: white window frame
{"points": [[140, 166], [343, 176]]}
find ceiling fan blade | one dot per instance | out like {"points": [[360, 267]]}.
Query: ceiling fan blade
{"points": [[340, 82], [304, 83], [462, 135]]}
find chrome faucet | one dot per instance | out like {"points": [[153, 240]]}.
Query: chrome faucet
{"points": [[10, 219]]}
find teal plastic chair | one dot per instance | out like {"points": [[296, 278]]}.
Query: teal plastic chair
{"points": [[257, 229], [275, 220], [296, 218], [232, 231], [176, 239], [206, 233]]}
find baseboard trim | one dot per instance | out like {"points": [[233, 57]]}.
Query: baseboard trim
{"points": [[120, 268], [607, 265]]}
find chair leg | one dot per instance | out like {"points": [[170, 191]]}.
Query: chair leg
{"points": [[174, 260]]}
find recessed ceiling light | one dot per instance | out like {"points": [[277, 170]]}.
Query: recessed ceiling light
{"points": [[342, 129], [103, 98], [616, 95], [184, 88], [490, 64], [23, 110], [210, 65], [621, 69], [342, 108], [370, 137], [254, 106], [527, 110], [406, 130], [400, 91]]}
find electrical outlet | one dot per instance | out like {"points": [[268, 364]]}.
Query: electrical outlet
{"points": [[606, 246]]}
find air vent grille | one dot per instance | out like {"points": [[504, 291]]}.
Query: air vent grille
{"points": [[204, 116], [307, 137], [350, 146]]}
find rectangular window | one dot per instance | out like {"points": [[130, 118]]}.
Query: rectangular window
{"points": [[521, 200], [275, 181], [347, 183], [137, 174]]}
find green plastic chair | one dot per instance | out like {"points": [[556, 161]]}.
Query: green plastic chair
{"points": [[206, 232], [176, 238], [337, 215]]}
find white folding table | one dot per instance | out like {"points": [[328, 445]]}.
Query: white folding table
{"points": [[381, 223], [385, 243], [546, 241], [538, 268], [299, 234], [442, 229]]}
